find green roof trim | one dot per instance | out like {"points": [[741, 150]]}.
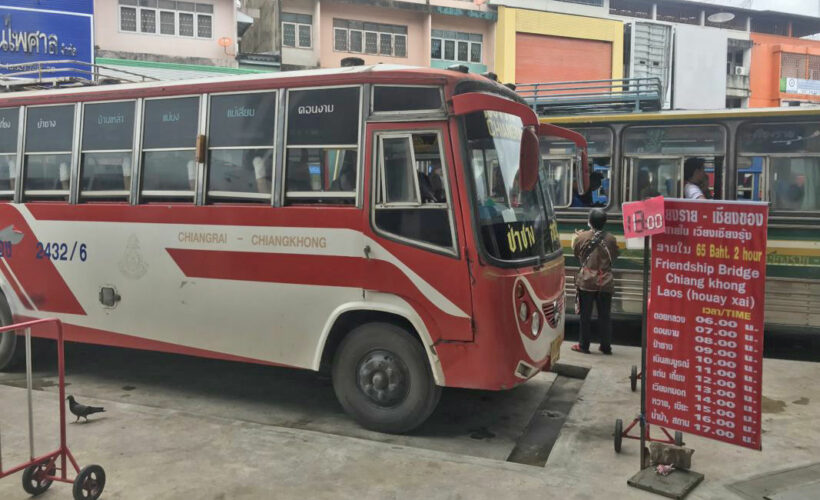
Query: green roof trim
{"points": [[105, 61]]}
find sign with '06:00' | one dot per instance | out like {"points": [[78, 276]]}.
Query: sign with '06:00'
{"points": [[704, 358]]}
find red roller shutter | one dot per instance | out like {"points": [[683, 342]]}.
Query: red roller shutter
{"points": [[541, 58]]}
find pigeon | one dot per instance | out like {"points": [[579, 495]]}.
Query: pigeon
{"points": [[82, 410]]}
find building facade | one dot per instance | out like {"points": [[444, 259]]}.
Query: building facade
{"points": [[167, 39], [706, 56], [320, 33]]}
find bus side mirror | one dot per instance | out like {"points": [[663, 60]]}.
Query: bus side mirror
{"points": [[529, 159]]}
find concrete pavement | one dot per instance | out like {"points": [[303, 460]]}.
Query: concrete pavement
{"points": [[182, 451]]}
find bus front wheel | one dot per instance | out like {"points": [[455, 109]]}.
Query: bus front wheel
{"points": [[382, 378]]}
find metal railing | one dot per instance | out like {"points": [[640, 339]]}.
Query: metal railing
{"points": [[621, 95], [62, 73]]}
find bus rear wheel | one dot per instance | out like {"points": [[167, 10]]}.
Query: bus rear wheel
{"points": [[382, 378]]}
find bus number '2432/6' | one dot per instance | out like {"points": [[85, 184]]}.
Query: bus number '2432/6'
{"points": [[62, 251]]}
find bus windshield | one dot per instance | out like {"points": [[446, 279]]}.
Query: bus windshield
{"points": [[513, 223]]}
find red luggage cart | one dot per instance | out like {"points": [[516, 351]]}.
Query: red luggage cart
{"points": [[40, 472]]}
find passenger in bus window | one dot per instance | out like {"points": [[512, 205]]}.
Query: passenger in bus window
{"points": [[646, 188], [260, 171], [9, 174], [694, 174], [585, 200], [437, 183], [298, 171]]}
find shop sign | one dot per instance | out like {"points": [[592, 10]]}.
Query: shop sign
{"points": [[32, 31], [704, 358], [475, 14], [800, 86]]}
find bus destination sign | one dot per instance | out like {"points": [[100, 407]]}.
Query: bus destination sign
{"points": [[704, 355]]}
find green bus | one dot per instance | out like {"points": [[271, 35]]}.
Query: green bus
{"points": [[767, 154]]}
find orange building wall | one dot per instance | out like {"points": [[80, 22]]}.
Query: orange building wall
{"points": [[764, 77], [543, 58]]}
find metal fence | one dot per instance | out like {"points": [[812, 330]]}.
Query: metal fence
{"points": [[621, 95], [62, 73]]}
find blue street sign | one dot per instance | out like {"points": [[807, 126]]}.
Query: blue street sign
{"points": [[45, 30]]}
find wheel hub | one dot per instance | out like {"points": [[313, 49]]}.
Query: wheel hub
{"points": [[383, 377]]}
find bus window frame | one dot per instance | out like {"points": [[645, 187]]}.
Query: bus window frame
{"points": [[27, 195], [377, 185], [14, 195], [423, 113], [591, 161], [223, 197], [571, 174], [766, 168], [179, 196], [95, 195], [293, 198], [626, 157]]}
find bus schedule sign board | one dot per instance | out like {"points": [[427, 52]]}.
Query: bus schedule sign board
{"points": [[704, 355], [643, 218]]}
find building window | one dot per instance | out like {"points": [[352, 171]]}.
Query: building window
{"points": [[297, 30], [186, 24], [355, 41], [792, 65], [167, 17], [381, 39], [631, 8], [167, 22], [457, 46], [128, 19]]}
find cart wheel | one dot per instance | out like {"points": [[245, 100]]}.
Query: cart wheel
{"points": [[633, 378], [34, 477], [619, 432], [89, 483], [678, 438]]}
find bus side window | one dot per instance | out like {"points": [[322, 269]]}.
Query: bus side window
{"points": [[322, 141], [412, 194], [169, 148], [108, 136], [241, 135], [9, 129], [49, 137]]}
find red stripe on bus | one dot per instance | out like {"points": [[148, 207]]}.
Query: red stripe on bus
{"points": [[325, 216], [39, 277], [320, 270], [15, 287]]}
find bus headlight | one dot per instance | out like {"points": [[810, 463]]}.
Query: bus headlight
{"points": [[522, 312], [536, 324]]}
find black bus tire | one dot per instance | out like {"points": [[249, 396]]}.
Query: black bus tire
{"points": [[11, 346], [382, 378]]}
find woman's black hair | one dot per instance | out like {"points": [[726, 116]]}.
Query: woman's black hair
{"points": [[597, 218], [692, 165]]}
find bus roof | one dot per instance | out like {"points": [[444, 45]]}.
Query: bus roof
{"points": [[683, 115], [380, 73]]}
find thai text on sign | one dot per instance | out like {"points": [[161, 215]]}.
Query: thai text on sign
{"points": [[704, 354]]}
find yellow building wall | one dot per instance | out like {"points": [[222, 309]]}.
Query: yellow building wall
{"points": [[512, 21]]}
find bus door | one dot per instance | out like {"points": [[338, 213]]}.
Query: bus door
{"points": [[414, 226]]}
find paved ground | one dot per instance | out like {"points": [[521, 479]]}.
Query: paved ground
{"points": [[183, 428]]}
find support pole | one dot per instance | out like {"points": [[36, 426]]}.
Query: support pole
{"points": [[28, 395], [644, 457]]}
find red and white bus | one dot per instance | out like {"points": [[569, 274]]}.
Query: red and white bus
{"points": [[385, 224]]}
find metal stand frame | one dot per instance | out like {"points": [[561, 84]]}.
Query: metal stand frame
{"points": [[644, 435], [42, 470]]}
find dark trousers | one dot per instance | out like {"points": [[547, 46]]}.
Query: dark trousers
{"points": [[603, 302]]}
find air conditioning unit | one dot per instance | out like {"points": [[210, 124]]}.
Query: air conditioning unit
{"points": [[741, 71]]}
